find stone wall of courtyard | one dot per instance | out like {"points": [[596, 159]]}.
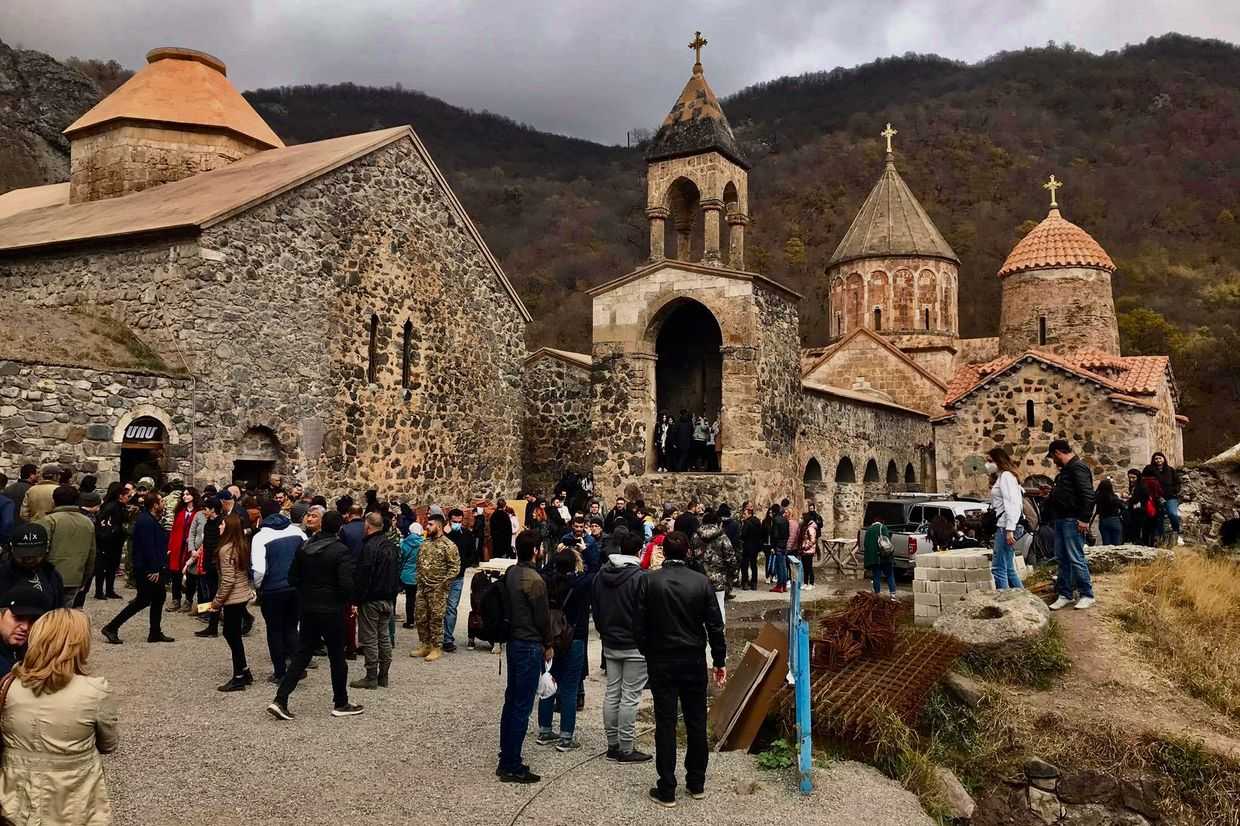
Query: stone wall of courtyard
{"points": [[271, 311], [557, 421], [76, 417]]}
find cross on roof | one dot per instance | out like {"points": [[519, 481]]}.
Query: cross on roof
{"points": [[1053, 185], [696, 45], [889, 133]]}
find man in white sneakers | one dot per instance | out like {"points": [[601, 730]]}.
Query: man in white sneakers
{"points": [[1072, 506]]}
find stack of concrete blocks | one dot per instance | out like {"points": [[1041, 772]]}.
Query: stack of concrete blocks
{"points": [[943, 578]]}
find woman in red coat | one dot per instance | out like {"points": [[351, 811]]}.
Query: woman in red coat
{"points": [[178, 553]]}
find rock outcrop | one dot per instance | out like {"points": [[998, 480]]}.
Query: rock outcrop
{"points": [[39, 97]]}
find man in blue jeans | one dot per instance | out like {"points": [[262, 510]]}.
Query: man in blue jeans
{"points": [[1072, 504], [529, 646], [466, 548]]}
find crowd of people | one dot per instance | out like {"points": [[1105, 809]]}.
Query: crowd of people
{"points": [[687, 443]]}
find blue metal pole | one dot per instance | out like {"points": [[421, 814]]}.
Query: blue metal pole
{"points": [[798, 667]]}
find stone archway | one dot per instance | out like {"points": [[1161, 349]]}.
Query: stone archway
{"points": [[258, 455], [847, 500], [688, 375]]}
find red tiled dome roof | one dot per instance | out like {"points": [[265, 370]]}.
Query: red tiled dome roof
{"points": [[1056, 242]]}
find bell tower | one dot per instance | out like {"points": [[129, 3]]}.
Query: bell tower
{"points": [[694, 168]]}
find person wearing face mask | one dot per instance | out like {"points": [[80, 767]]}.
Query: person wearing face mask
{"points": [[465, 549], [438, 563], [1005, 500]]}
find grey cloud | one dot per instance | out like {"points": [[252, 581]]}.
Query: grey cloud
{"points": [[588, 69]]}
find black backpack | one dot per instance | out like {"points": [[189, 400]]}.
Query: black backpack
{"points": [[495, 612]]}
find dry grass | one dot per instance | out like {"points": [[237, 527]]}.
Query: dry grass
{"points": [[1187, 608]]}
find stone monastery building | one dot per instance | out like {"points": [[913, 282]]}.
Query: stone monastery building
{"points": [[202, 300]]}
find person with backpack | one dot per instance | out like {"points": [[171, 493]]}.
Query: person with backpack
{"points": [[614, 604], [880, 557], [568, 597], [110, 534], [526, 628], [677, 615]]}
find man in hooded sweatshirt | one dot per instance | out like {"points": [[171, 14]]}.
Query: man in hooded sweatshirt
{"points": [[271, 556], [614, 597]]}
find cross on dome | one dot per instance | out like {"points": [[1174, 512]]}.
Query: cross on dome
{"points": [[889, 133], [696, 45], [1053, 185]]}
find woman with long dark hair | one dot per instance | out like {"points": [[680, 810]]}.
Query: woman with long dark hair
{"points": [[187, 505], [1006, 500], [110, 532], [1109, 509], [232, 595]]}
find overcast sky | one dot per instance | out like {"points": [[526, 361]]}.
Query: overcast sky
{"points": [[591, 69]]}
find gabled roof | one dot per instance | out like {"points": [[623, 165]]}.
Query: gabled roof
{"points": [[33, 197], [182, 87], [1126, 377], [201, 201], [1056, 242], [892, 223], [566, 356], [692, 266], [887, 345], [864, 396], [696, 124]]}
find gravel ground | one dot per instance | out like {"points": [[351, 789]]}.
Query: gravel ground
{"points": [[423, 752]]}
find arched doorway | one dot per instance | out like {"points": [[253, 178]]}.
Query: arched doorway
{"points": [[844, 471], [257, 458], [910, 476], [812, 479], [144, 450], [688, 376]]}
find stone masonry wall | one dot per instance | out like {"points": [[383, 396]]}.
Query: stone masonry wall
{"points": [[834, 428], [130, 158], [557, 421], [778, 395], [1076, 303], [270, 311], [72, 416], [903, 288], [1109, 437], [862, 359]]}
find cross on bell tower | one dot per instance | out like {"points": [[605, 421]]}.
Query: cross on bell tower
{"points": [[889, 133], [696, 45]]}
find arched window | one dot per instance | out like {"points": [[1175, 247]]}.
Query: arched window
{"points": [[839, 324], [844, 471], [372, 350], [871, 471], [406, 354], [893, 473], [1041, 329], [1029, 413], [878, 318], [910, 475], [813, 472]]}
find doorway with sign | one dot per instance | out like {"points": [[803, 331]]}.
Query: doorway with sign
{"points": [[144, 450], [257, 457]]}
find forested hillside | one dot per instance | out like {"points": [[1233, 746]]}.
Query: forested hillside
{"points": [[1147, 140]]}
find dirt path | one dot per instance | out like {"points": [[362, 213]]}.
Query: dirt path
{"points": [[1112, 682]]}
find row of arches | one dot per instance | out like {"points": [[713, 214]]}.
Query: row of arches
{"points": [[846, 473], [901, 301], [697, 231]]}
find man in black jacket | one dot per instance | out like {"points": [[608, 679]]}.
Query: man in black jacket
{"points": [[1072, 506], [529, 646], [501, 530], [377, 581], [28, 564], [677, 613], [322, 573], [614, 597]]}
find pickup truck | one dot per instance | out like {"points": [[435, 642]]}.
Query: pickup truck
{"points": [[909, 519]]}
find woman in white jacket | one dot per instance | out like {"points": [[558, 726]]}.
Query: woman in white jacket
{"points": [[1006, 498]]}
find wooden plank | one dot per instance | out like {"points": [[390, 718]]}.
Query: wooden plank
{"points": [[726, 710], [773, 637]]}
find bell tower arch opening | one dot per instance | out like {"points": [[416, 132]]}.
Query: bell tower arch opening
{"points": [[684, 207], [688, 372]]}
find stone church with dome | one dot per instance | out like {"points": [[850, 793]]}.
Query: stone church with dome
{"points": [[201, 298]]}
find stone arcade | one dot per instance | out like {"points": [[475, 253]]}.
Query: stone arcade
{"points": [[201, 300]]}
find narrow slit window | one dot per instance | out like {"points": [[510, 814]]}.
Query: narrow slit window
{"points": [[1029, 413], [406, 354], [1041, 329], [839, 324], [372, 350], [878, 318], [926, 317]]}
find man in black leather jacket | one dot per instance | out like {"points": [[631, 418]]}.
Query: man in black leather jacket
{"points": [[677, 613], [1072, 506]]}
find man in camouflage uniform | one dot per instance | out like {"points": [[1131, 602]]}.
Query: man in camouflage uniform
{"points": [[438, 564]]}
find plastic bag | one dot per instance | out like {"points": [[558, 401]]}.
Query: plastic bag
{"points": [[546, 683]]}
